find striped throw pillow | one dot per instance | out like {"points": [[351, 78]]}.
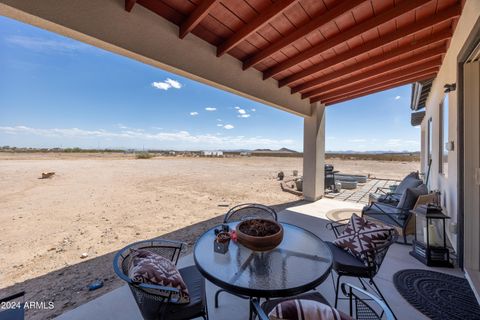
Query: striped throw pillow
{"points": [[302, 309]]}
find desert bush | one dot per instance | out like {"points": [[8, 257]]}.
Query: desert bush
{"points": [[144, 155]]}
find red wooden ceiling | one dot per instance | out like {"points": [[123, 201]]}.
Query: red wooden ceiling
{"points": [[327, 50]]}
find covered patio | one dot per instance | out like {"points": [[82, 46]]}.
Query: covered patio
{"points": [[119, 304], [299, 56]]}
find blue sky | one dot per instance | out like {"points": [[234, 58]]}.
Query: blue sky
{"points": [[58, 92]]}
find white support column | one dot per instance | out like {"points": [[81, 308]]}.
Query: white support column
{"points": [[314, 153]]}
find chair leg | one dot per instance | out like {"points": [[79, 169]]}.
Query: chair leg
{"points": [[336, 289], [381, 296], [216, 296], [361, 282], [250, 310]]}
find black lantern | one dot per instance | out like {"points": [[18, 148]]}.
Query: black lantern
{"points": [[430, 244]]}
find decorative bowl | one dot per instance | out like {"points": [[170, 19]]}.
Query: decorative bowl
{"points": [[259, 234]]}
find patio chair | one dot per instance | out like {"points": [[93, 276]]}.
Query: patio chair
{"points": [[13, 313], [250, 210], [242, 212], [363, 305], [346, 264], [401, 218], [152, 305], [412, 180]]}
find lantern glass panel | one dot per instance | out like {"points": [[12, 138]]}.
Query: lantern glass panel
{"points": [[436, 232], [420, 226]]}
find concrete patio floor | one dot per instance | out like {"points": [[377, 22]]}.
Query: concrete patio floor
{"points": [[119, 304], [361, 192]]}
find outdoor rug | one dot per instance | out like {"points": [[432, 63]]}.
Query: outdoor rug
{"points": [[437, 295]]}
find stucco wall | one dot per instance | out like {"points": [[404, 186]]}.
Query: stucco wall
{"points": [[448, 75]]}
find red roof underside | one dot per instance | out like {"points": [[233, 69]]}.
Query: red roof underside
{"points": [[387, 40]]}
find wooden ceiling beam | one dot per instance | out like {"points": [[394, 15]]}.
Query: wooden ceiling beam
{"points": [[424, 58], [383, 82], [354, 31], [129, 4], [317, 22], [444, 15], [196, 17], [380, 79], [366, 93], [312, 84], [265, 17]]}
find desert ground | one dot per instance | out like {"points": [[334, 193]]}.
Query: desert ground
{"points": [[60, 234]]}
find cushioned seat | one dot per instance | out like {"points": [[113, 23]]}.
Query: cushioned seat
{"points": [[385, 213], [346, 263], [196, 289], [268, 306]]}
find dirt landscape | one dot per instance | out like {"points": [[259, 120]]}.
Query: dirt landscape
{"points": [[59, 234]]}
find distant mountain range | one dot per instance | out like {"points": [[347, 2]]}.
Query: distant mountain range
{"points": [[286, 150]]}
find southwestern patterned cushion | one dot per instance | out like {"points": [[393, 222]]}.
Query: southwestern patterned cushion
{"points": [[298, 309], [149, 267], [360, 236]]}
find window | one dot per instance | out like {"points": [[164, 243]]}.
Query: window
{"points": [[444, 142]]}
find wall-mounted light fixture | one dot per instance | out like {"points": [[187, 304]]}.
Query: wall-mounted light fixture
{"points": [[450, 87]]}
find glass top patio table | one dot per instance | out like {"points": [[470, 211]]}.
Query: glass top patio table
{"points": [[299, 264]]}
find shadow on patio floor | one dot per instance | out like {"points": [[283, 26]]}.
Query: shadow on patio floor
{"points": [[52, 287]]}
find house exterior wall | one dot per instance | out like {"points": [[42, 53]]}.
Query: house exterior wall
{"points": [[447, 75]]}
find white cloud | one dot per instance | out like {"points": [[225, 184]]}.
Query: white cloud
{"points": [[210, 109], [397, 143], [161, 85], [228, 126], [174, 83], [242, 113], [205, 140], [167, 84], [253, 109], [194, 113], [397, 98], [46, 45]]}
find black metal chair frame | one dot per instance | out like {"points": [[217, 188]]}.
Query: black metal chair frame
{"points": [[378, 253], [402, 211], [19, 313], [358, 307], [140, 290], [230, 216]]}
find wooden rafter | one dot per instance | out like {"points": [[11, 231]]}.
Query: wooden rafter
{"points": [[380, 79], [419, 26], [365, 93], [129, 4], [354, 31], [271, 12], [312, 25], [411, 62], [309, 85], [383, 82], [196, 17]]}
